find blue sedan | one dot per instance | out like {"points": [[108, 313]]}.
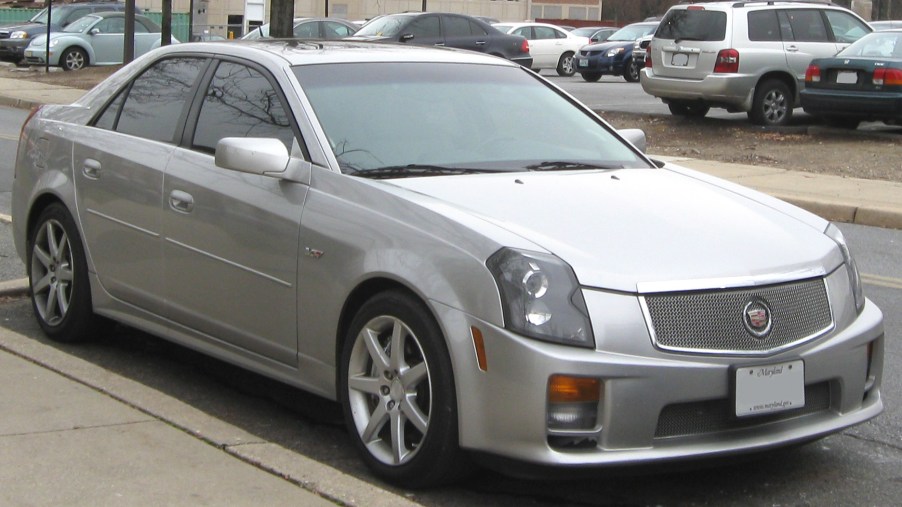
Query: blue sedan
{"points": [[613, 56], [861, 83], [96, 39]]}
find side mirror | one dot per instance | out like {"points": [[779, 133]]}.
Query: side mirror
{"points": [[634, 136], [94, 31], [263, 156]]}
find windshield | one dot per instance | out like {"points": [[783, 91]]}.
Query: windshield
{"points": [[81, 24], [429, 119], [876, 45], [632, 32], [40, 17], [386, 26]]}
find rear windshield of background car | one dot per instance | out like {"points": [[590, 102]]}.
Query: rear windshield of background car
{"points": [[699, 25]]}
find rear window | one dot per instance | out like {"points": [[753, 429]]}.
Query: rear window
{"points": [[695, 24]]}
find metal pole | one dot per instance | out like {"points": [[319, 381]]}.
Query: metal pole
{"points": [[47, 45]]}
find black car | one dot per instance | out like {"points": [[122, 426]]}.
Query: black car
{"points": [[444, 29], [15, 37]]}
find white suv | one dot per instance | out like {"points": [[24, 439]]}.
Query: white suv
{"points": [[743, 56]]}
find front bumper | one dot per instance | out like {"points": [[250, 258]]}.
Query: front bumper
{"points": [[37, 56], [853, 104], [656, 405], [597, 62], [13, 49]]}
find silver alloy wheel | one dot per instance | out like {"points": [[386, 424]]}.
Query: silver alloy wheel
{"points": [[389, 390], [52, 272], [775, 106], [73, 59], [566, 66]]}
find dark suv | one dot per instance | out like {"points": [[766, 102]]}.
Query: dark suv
{"points": [[444, 29], [15, 37]]}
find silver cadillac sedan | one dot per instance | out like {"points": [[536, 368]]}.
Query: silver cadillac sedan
{"points": [[470, 261]]}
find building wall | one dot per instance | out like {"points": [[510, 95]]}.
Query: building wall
{"points": [[212, 16]]}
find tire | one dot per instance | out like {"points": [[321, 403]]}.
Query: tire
{"points": [[591, 76], [772, 105], [565, 66], [413, 393], [693, 109], [631, 72], [73, 59], [58, 278]]}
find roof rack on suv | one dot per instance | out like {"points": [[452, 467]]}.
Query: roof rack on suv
{"points": [[774, 2]]}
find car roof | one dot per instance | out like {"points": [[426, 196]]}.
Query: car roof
{"points": [[309, 52]]}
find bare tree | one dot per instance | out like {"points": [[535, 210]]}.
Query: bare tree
{"points": [[281, 16]]}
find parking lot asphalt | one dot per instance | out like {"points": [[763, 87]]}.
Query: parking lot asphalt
{"points": [[104, 439]]}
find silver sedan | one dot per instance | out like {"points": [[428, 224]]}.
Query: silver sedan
{"points": [[471, 262]]}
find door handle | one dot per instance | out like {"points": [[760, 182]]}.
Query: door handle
{"points": [[180, 201], [481, 42], [792, 49], [91, 169]]}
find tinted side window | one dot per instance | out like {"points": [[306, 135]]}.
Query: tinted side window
{"points": [[112, 25], [763, 26], [307, 30], [241, 102], [333, 30], [845, 27], [157, 99], [456, 26], [424, 26], [700, 25], [543, 32], [476, 28], [807, 25]]}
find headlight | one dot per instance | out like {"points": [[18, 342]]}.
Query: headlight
{"points": [[18, 35], [54, 42], [541, 297], [614, 52], [836, 235]]}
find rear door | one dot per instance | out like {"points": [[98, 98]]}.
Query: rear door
{"points": [[805, 37], [461, 33], [687, 42]]}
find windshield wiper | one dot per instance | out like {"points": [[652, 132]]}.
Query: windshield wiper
{"points": [[564, 165], [396, 171]]}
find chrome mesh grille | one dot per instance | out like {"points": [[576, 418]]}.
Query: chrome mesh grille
{"points": [[713, 321]]}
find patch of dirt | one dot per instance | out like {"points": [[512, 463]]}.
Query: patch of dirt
{"points": [[864, 153]]}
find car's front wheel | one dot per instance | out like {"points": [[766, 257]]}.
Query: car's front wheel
{"points": [[397, 390], [631, 71], [73, 59], [565, 65], [772, 105], [58, 276], [591, 76]]}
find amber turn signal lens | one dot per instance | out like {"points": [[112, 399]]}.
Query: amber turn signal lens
{"points": [[566, 389]]}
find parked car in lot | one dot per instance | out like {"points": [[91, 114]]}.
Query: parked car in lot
{"points": [[885, 24], [744, 56], [95, 39], [613, 56], [311, 28], [595, 33], [551, 47], [445, 29], [861, 83], [465, 258], [640, 49], [15, 37]]}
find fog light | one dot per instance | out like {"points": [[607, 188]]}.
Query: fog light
{"points": [[573, 402]]}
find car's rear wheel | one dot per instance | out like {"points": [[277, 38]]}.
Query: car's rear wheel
{"points": [[772, 105], [688, 108], [58, 276], [397, 390], [565, 65], [631, 71], [591, 76], [73, 59]]}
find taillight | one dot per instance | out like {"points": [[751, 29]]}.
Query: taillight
{"points": [[524, 46], [34, 111], [887, 77], [813, 74], [648, 57], [727, 61]]}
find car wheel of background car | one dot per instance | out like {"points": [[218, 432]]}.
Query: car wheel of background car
{"points": [[591, 76], [631, 74], [772, 105], [58, 277], [842, 122], [73, 59], [397, 391], [688, 108], [565, 65]]}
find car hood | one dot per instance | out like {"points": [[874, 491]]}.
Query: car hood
{"points": [[31, 28], [604, 46], [637, 229]]}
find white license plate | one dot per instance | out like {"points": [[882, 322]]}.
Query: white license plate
{"points": [[845, 77], [770, 388], [679, 60], [582, 63]]}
